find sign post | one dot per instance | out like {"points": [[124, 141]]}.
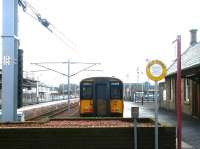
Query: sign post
{"points": [[156, 71], [135, 115], [156, 115]]}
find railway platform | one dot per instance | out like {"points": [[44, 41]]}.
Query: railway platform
{"points": [[31, 112], [190, 126]]}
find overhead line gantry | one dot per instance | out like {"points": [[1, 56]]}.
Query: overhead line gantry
{"points": [[41, 64]]}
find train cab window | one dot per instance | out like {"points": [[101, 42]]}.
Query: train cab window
{"points": [[87, 91], [115, 90]]}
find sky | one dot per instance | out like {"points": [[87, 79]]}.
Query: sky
{"points": [[119, 34]]}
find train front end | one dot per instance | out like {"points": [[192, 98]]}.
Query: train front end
{"points": [[101, 97]]}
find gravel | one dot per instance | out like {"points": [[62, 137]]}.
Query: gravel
{"points": [[75, 124]]}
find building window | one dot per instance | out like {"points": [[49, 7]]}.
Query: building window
{"points": [[171, 90], [164, 95], [187, 91]]}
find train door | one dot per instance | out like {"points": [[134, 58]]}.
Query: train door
{"points": [[101, 98]]}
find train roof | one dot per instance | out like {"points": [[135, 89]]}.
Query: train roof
{"points": [[101, 78]]}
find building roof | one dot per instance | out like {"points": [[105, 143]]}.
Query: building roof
{"points": [[189, 59]]}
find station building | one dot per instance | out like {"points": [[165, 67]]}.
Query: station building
{"points": [[190, 81]]}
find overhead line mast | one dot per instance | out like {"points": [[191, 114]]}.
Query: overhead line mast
{"points": [[10, 46]]}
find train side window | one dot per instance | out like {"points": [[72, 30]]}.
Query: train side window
{"points": [[115, 90], [87, 92]]}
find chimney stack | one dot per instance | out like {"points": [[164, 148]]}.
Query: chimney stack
{"points": [[193, 40]]}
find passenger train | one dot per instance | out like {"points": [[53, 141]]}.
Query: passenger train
{"points": [[101, 96]]}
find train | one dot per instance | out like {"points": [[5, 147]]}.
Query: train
{"points": [[101, 97]]}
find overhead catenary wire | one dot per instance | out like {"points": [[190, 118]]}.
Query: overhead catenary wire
{"points": [[84, 69], [62, 40], [40, 64], [49, 69], [31, 16], [63, 35], [67, 62], [49, 26]]}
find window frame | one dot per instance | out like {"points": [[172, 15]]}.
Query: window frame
{"points": [[119, 87], [172, 89], [186, 90], [82, 92]]}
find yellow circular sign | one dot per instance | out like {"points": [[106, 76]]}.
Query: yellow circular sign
{"points": [[156, 70]]}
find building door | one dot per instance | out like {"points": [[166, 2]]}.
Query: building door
{"points": [[195, 99], [101, 97]]}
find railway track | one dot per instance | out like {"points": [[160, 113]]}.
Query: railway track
{"points": [[62, 112]]}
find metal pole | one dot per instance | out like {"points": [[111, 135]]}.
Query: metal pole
{"points": [[68, 85], [10, 46], [148, 89], [148, 85], [142, 89], [37, 91], [131, 92], [63, 90], [124, 92], [156, 115], [135, 115], [135, 133], [142, 94], [138, 83], [75, 91], [178, 91]]}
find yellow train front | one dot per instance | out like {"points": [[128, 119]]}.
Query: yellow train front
{"points": [[101, 96]]}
